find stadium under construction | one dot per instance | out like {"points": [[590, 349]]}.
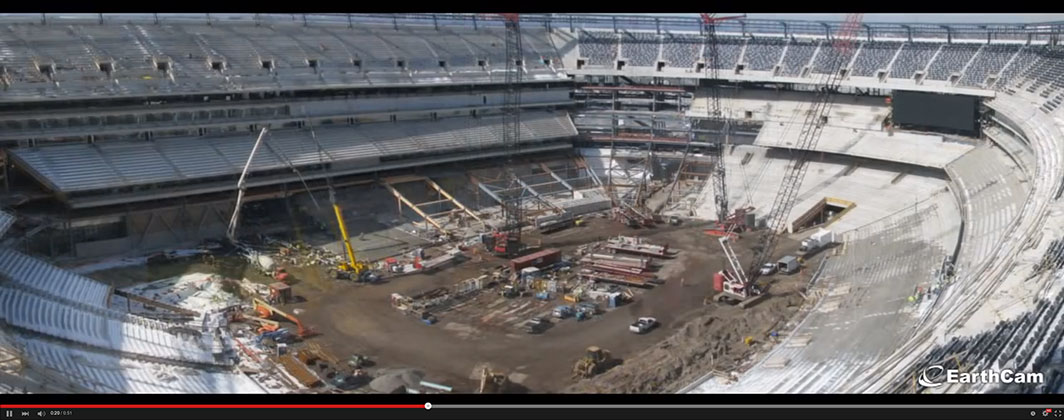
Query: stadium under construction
{"points": [[508, 203]]}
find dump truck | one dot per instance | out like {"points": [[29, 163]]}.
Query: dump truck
{"points": [[816, 242]]}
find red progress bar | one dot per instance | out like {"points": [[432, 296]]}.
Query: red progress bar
{"points": [[214, 406]]}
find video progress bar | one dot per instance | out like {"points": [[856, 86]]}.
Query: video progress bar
{"points": [[518, 412]]}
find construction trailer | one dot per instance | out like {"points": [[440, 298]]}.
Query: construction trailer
{"points": [[788, 264]]}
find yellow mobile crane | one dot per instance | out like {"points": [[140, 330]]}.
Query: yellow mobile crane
{"points": [[352, 267]]}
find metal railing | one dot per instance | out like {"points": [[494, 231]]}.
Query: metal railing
{"points": [[659, 23]]}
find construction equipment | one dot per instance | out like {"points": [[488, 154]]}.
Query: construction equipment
{"points": [[709, 34], [242, 188], [813, 127], [267, 311], [492, 382], [594, 362], [737, 221], [733, 286], [815, 242], [352, 267], [508, 236], [711, 66]]}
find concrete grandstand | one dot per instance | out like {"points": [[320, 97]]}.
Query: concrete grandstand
{"points": [[125, 136]]}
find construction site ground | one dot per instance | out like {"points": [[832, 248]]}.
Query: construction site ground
{"points": [[692, 338]]}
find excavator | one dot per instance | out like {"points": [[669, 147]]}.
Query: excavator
{"points": [[267, 311]]}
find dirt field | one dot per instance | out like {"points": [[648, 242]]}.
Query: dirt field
{"points": [[360, 319], [355, 318]]}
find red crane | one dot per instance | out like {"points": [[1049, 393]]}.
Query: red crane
{"points": [[717, 116], [813, 127]]}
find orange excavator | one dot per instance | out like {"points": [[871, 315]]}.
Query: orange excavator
{"points": [[267, 311]]}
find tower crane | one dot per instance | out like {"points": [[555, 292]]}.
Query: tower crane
{"points": [[507, 238], [812, 128]]}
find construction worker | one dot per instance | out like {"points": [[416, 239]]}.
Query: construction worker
{"points": [[682, 281]]}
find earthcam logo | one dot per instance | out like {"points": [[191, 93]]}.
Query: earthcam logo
{"points": [[932, 377]]}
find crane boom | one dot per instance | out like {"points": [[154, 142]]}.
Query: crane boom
{"points": [[510, 233], [717, 116], [808, 138], [242, 187], [352, 265]]}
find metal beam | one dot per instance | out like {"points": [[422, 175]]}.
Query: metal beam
{"points": [[413, 206], [555, 176], [485, 188], [536, 193], [450, 197]]}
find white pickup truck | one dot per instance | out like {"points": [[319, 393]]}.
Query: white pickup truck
{"points": [[643, 325]]}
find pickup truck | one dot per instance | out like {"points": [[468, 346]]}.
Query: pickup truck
{"points": [[768, 269], [643, 325]]}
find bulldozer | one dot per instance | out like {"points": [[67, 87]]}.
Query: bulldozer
{"points": [[593, 363], [492, 382]]}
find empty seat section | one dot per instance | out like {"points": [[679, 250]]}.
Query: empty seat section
{"points": [[950, 60], [829, 58], [728, 51], [640, 49], [874, 56], [46, 278], [681, 51], [600, 48], [991, 60], [762, 54], [799, 52], [913, 57]]}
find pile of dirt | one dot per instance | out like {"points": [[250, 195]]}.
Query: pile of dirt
{"points": [[394, 380], [712, 341]]}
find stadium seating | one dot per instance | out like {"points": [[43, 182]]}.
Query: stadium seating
{"points": [[991, 60], [798, 55], [912, 58], [950, 60], [46, 278], [874, 56], [98, 327], [681, 51], [826, 57], [105, 373], [728, 51], [995, 196], [640, 49], [762, 54], [600, 48]]}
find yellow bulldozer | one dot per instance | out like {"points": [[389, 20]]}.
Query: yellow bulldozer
{"points": [[492, 382], [594, 362]]}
